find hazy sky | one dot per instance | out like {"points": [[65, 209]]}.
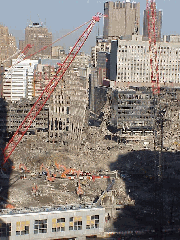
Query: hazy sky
{"points": [[62, 16]]}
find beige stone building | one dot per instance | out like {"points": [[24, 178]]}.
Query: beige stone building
{"points": [[1, 80], [39, 37], [57, 51], [121, 18], [7, 46], [21, 44]]}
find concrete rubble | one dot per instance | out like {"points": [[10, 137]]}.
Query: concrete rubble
{"points": [[66, 138]]}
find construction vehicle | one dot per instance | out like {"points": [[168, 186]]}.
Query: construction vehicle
{"points": [[23, 168], [66, 170], [98, 202], [74, 172], [35, 189], [46, 172], [98, 177], [41, 101]]}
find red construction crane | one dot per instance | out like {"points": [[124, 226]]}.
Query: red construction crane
{"points": [[154, 71], [34, 111]]}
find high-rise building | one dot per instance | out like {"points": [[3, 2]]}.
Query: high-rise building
{"points": [[7, 45], [39, 37], [21, 44], [1, 80], [103, 67], [121, 18], [158, 23], [102, 45], [129, 61], [19, 84]]}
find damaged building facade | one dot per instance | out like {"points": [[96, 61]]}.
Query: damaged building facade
{"points": [[63, 117], [68, 106], [12, 115]]}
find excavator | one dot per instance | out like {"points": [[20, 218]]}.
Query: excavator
{"points": [[66, 170], [79, 190], [23, 168], [49, 177]]}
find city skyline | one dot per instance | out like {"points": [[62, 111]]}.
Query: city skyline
{"points": [[77, 12]]}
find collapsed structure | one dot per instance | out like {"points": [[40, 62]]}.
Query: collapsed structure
{"points": [[124, 118]]}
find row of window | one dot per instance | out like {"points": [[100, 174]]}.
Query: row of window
{"points": [[159, 48], [58, 225]]}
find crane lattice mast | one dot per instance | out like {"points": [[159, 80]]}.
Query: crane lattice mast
{"points": [[154, 71]]}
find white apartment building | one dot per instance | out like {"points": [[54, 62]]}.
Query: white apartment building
{"points": [[19, 83], [130, 61]]}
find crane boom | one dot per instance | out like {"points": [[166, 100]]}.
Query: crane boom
{"points": [[19, 59], [36, 108]]}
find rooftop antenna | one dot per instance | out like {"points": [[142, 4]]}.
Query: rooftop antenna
{"points": [[30, 20], [40, 20]]}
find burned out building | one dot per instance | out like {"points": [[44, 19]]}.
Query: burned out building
{"points": [[68, 106]]}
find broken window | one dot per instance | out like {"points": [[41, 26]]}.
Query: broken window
{"points": [[60, 125], [58, 225], [67, 110], [56, 124], [22, 228], [75, 223], [92, 222]]}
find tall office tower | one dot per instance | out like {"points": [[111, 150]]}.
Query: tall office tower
{"points": [[121, 19], [39, 37], [7, 45], [158, 23]]}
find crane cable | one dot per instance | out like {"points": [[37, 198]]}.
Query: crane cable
{"points": [[18, 51]]}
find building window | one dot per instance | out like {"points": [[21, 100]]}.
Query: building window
{"points": [[40, 226], [92, 222], [75, 223], [58, 225], [22, 228], [5, 229], [67, 110]]}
